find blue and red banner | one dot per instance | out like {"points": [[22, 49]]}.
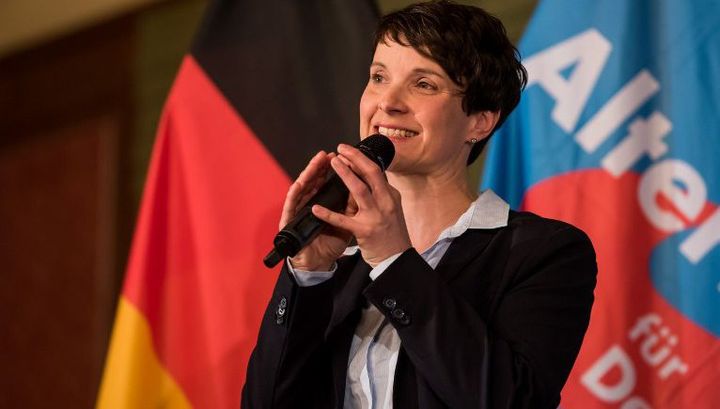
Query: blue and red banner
{"points": [[618, 133]]}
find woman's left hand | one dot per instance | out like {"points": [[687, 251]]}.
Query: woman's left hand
{"points": [[378, 223]]}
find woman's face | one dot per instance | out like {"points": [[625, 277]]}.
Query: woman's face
{"points": [[410, 99]]}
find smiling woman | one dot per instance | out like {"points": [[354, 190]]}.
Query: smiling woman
{"points": [[411, 100], [448, 299]]}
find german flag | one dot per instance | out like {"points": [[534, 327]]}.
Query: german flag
{"points": [[266, 84]]}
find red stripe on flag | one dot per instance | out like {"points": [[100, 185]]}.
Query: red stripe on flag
{"points": [[209, 212]]}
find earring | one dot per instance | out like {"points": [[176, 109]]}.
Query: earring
{"points": [[473, 141]]}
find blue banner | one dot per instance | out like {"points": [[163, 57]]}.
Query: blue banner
{"points": [[618, 133]]}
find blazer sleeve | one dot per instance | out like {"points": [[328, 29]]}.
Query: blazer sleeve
{"points": [[285, 366], [523, 356]]}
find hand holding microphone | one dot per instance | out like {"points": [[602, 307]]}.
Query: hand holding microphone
{"points": [[318, 184], [377, 221]]}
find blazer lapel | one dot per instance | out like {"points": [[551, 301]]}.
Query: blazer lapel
{"points": [[347, 305], [463, 250], [348, 293]]}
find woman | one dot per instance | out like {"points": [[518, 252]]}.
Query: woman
{"points": [[449, 299]]}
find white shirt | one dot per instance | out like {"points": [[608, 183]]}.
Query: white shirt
{"points": [[376, 343]]}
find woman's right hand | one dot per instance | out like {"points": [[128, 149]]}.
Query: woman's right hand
{"points": [[320, 254]]}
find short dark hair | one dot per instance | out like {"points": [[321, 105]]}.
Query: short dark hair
{"points": [[472, 47]]}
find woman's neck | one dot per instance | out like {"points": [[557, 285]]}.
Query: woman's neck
{"points": [[432, 204]]}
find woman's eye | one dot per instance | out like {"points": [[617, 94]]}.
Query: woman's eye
{"points": [[377, 78], [424, 85]]}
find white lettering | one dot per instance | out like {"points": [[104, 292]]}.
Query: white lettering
{"points": [[644, 137], [688, 200], [703, 239], [673, 365], [643, 325], [617, 110], [636, 403], [656, 357], [589, 50], [615, 357]]}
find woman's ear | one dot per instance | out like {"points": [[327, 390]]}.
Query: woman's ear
{"points": [[483, 123]]}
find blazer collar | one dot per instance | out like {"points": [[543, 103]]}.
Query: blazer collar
{"points": [[488, 211], [462, 251]]}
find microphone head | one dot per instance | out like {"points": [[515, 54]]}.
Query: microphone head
{"points": [[379, 149]]}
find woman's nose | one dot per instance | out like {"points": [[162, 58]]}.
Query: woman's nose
{"points": [[393, 100]]}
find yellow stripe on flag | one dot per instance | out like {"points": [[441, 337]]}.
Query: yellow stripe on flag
{"points": [[134, 377]]}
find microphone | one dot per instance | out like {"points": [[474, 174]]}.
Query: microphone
{"points": [[333, 195]]}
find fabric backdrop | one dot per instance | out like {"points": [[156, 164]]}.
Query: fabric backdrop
{"points": [[266, 85], [618, 132]]}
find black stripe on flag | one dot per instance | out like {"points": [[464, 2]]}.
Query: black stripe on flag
{"points": [[293, 70]]}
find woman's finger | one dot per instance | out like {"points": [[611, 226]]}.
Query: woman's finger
{"points": [[351, 207], [302, 189], [313, 167], [334, 219], [316, 182], [290, 205], [358, 189], [368, 170]]}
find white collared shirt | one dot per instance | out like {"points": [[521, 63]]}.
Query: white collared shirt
{"points": [[376, 343]]}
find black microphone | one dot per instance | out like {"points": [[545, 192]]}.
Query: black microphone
{"points": [[333, 195]]}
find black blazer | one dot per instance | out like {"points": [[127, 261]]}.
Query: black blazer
{"points": [[498, 323]]}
